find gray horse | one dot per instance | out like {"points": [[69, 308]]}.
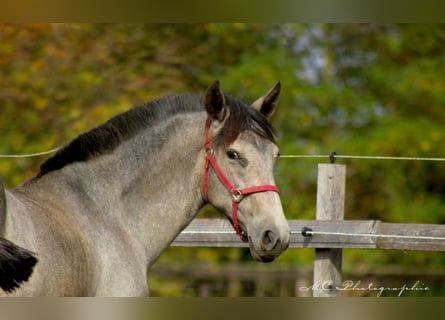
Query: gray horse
{"points": [[102, 209], [16, 264]]}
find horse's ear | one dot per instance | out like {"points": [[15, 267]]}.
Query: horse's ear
{"points": [[215, 102], [267, 103]]}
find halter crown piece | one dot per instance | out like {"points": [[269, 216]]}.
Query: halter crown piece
{"points": [[237, 194]]}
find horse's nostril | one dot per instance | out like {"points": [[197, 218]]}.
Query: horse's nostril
{"points": [[267, 237], [269, 240]]}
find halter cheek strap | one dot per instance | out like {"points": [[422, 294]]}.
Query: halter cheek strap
{"points": [[236, 193]]}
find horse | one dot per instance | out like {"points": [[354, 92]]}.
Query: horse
{"points": [[103, 208], [16, 264]]}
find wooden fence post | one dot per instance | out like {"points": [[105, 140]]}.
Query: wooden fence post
{"points": [[330, 206]]}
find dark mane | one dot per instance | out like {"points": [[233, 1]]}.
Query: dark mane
{"points": [[108, 136], [105, 138]]}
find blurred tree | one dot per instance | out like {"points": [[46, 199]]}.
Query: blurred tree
{"points": [[365, 89]]}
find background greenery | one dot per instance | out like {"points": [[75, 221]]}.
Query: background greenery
{"points": [[363, 89]]}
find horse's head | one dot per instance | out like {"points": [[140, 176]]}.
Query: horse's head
{"points": [[241, 153]]}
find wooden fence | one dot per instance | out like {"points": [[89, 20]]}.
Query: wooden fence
{"points": [[328, 234]]}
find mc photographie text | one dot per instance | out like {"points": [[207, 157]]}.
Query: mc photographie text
{"points": [[359, 286]]}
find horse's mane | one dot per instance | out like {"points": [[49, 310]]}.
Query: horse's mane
{"points": [[106, 137]]}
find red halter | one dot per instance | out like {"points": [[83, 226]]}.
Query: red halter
{"points": [[237, 193]]}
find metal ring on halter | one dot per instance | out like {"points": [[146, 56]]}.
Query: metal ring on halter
{"points": [[237, 195]]}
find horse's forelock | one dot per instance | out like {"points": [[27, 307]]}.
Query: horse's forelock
{"points": [[243, 118]]}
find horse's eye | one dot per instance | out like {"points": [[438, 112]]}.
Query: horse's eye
{"points": [[232, 154]]}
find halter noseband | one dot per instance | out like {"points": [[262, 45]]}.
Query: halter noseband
{"points": [[237, 193]]}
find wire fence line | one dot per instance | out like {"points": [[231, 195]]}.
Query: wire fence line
{"points": [[332, 156], [340, 156], [309, 232], [30, 155]]}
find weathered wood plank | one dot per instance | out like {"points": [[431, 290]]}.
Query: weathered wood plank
{"points": [[415, 236], [330, 206], [331, 192], [219, 233]]}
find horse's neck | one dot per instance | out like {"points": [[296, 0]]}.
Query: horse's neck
{"points": [[167, 192], [151, 184]]}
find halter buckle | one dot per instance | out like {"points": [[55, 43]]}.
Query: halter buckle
{"points": [[237, 196], [209, 152]]}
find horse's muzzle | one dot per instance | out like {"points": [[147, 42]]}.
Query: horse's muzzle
{"points": [[270, 247]]}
